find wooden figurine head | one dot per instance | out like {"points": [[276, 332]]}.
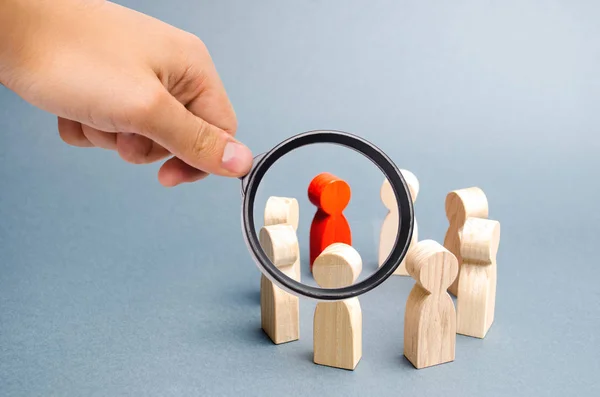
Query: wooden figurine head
{"points": [[480, 241], [339, 265], [280, 243], [387, 194], [432, 266], [464, 203], [329, 193], [282, 210]]}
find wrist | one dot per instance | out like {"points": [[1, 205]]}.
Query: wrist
{"points": [[17, 19], [26, 29]]}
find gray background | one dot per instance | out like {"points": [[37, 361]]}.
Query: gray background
{"points": [[111, 285]]}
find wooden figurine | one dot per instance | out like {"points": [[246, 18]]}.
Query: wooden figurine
{"points": [[337, 331], [476, 300], [389, 229], [430, 317], [280, 210], [331, 195], [279, 309], [460, 205]]}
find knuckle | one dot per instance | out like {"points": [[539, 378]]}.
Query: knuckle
{"points": [[70, 135], [128, 157], [132, 156], [197, 52], [70, 141], [65, 135], [147, 102], [133, 149], [140, 109], [205, 142], [196, 43]]}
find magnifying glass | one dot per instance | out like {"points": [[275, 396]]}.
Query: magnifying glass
{"points": [[348, 143]]}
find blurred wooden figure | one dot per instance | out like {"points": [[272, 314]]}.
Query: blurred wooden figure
{"points": [[476, 300], [338, 325], [460, 205], [389, 229], [330, 195], [430, 317], [279, 309], [284, 210]]}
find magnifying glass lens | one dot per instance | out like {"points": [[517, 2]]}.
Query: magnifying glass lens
{"points": [[326, 216]]}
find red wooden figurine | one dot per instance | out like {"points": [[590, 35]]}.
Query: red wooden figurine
{"points": [[331, 195]]}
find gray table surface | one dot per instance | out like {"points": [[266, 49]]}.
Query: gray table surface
{"points": [[111, 285]]}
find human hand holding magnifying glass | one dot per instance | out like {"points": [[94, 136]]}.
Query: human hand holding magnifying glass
{"points": [[124, 81]]}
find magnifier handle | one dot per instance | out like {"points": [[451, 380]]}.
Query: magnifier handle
{"points": [[244, 179]]}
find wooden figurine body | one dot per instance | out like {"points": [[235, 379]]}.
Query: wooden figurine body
{"points": [[460, 205], [389, 229], [284, 210], [430, 317], [330, 195], [279, 310], [476, 300], [338, 325]]}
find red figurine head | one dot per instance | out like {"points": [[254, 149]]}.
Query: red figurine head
{"points": [[329, 193]]}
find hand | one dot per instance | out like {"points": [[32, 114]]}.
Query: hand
{"points": [[123, 81]]}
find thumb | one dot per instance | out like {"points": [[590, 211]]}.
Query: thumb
{"points": [[192, 139]]}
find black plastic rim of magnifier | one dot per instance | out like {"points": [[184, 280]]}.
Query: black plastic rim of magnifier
{"points": [[264, 161]]}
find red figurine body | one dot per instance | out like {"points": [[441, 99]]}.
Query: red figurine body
{"points": [[331, 195]]}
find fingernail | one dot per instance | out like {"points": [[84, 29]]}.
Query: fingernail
{"points": [[237, 158]]}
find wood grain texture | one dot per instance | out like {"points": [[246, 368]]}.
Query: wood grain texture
{"points": [[389, 229], [337, 334], [338, 266], [280, 318], [280, 210], [476, 301], [430, 317], [284, 210], [330, 195], [460, 205]]}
